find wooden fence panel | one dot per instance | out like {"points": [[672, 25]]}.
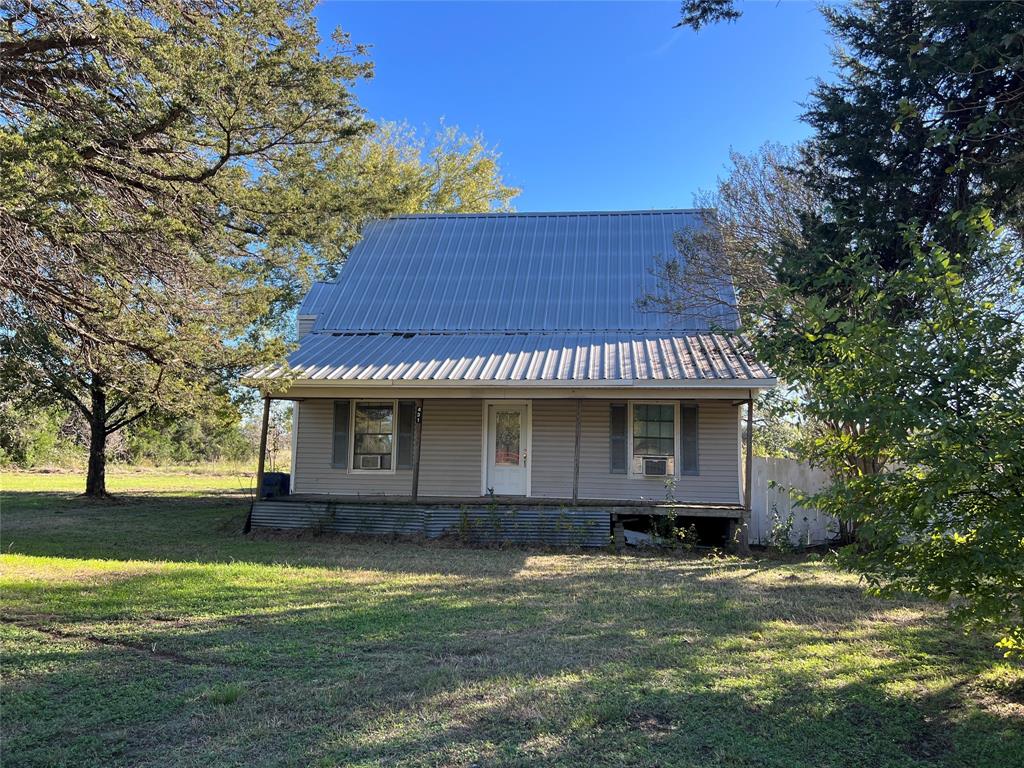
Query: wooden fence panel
{"points": [[809, 525]]}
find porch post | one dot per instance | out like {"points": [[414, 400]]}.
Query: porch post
{"points": [[261, 461], [576, 454], [744, 533], [261, 464], [417, 440]]}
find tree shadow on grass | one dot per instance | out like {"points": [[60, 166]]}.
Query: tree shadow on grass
{"points": [[390, 653], [617, 663]]}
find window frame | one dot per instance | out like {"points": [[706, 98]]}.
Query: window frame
{"points": [[631, 455], [352, 470]]}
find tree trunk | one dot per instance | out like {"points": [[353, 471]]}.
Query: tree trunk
{"points": [[96, 480]]}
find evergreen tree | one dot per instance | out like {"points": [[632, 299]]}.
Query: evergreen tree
{"points": [[895, 310], [176, 174]]}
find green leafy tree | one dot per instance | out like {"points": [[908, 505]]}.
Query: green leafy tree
{"points": [[893, 310], [938, 400], [176, 173], [900, 313], [393, 170], [30, 437], [157, 211]]}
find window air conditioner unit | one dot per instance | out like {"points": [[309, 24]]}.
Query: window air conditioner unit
{"points": [[369, 462], [655, 466]]}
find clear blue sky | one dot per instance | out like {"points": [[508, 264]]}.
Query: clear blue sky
{"points": [[594, 106]]}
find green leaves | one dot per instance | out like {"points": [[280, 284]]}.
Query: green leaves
{"points": [[897, 316], [176, 175]]}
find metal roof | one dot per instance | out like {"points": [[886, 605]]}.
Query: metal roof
{"points": [[319, 297], [518, 298], [521, 357], [512, 272]]}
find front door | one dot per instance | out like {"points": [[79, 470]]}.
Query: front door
{"points": [[506, 450]]}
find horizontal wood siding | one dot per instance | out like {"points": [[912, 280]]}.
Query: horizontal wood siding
{"points": [[450, 459], [313, 470], [718, 481], [554, 440]]}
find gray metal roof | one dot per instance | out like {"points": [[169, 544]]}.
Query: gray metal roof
{"points": [[320, 296], [521, 357], [519, 298], [511, 272]]}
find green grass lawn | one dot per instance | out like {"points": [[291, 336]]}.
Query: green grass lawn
{"points": [[150, 632]]}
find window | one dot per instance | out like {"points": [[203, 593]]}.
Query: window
{"points": [[507, 431], [373, 436], [654, 428]]}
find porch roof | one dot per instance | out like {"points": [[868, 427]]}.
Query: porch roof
{"points": [[551, 358]]}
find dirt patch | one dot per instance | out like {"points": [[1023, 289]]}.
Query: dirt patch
{"points": [[653, 724]]}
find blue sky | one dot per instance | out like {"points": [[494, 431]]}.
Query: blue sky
{"points": [[594, 106]]}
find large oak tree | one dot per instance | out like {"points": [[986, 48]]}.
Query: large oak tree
{"points": [[176, 173]]}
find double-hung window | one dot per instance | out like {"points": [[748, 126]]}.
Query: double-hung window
{"points": [[643, 430], [654, 429], [654, 434], [373, 436]]}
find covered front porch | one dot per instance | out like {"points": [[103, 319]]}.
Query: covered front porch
{"points": [[500, 465]]}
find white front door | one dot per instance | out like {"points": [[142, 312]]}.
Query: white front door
{"points": [[506, 449]]}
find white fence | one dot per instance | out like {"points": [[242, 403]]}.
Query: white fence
{"points": [[770, 500]]}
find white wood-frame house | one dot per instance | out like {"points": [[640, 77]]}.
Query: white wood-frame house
{"points": [[493, 373]]}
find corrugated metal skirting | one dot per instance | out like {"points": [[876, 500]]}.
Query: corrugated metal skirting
{"points": [[528, 525]]}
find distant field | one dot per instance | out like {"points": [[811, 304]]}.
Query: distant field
{"points": [[199, 479], [150, 632]]}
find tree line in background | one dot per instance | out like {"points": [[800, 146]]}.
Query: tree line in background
{"points": [[47, 438], [880, 273], [176, 174]]}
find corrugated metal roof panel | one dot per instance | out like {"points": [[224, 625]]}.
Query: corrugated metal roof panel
{"points": [[568, 272], [520, 357], [317, 300]]}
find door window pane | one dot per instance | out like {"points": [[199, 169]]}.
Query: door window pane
{"points": [[506, 438]]}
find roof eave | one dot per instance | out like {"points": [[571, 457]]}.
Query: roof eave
{"points": [[327, 383]]}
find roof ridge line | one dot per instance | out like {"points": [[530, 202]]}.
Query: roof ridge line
{"points": [[503, 214], [527, 332]]}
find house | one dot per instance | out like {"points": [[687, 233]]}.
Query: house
{"points": [[492, 373]]}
